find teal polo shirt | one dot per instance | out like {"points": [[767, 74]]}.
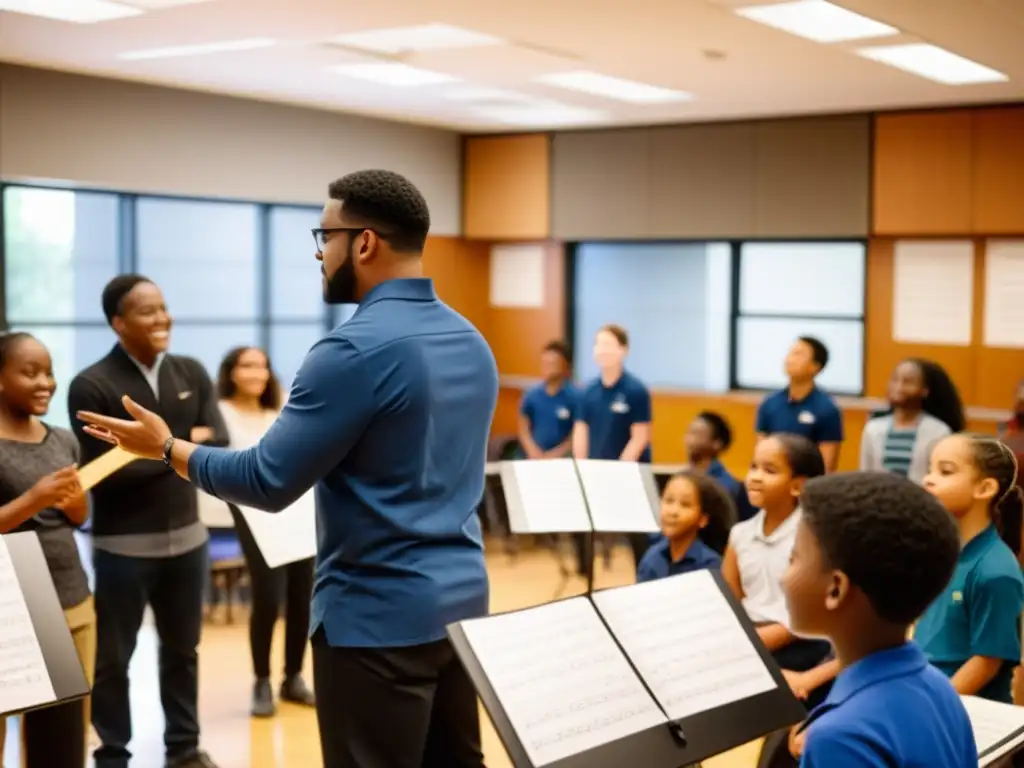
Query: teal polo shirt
{"points": [[978, 614]]}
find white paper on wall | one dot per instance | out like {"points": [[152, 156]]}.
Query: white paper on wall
{"points": [[933, 291], [517, 275], [1004, 293]]}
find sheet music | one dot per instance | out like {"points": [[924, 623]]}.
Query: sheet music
{"points": [[214, 513], [617, 496], [24, 678], [551, 497], [683, 637], [285, 536], [992, 722], [564, 684]]}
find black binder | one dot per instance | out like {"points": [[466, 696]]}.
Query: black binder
{"points": [[662, 742], [67, 677]]}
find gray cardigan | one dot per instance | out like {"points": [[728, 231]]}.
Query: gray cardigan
{"points": [[872, 444]]}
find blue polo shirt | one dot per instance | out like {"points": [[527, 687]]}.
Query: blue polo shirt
{"points": [[657, 561], [978, 614], [611, 412], [816, 417], [388, 417], [551, 416], [737, 492], [890, 709]]}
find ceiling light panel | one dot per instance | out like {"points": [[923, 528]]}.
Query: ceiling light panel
{"points": [[159, 5], [934, 63], [75, 11], [613, 88], [399, 75], [540, 115], [428, 37], [200, 49], [817, 20]]}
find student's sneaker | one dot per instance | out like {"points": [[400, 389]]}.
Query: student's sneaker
{"points": [[263, 698], [295, 690], [197, 759]]}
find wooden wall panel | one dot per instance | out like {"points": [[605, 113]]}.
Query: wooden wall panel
{"points": [[998, 188], [461, 272], [507, 187], [922, 173]]}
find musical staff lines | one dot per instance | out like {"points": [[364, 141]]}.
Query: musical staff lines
{"points": [[24, 679]]}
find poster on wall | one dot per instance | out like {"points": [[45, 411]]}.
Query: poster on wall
{"points": [[933, 292], [1004, 294]]}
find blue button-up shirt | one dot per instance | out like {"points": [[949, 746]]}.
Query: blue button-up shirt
{"points": [[657, 562]]}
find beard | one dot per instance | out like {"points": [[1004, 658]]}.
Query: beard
{"points": [[340, 288]]}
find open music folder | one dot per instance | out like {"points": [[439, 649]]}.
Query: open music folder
{"points": [[576, 496], [39, 665], [662, 675], [998, 728]]}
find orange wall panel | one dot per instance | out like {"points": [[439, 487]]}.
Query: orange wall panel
{"points": [[461, 273], [998, 188], [507, 187], [923, 173]]}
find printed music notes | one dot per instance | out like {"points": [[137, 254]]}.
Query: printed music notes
{"points": [[548, 497], [685, 641], [998, 728], [620, 498], [286, 536], [104, 466], [24, 679], [565, 685]]}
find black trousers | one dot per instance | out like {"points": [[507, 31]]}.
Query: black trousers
{"points": [[173, 588], [294, 583], [409, 707], [55, 736]]}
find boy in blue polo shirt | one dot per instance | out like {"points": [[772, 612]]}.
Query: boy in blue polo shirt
{"points": [[708, 437], [547, 411], [872, 550], [802, 408]]}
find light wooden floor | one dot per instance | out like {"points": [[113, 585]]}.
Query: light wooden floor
{"points": [[290, 740]]}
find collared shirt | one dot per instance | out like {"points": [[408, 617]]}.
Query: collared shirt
{"points": [[611, 412], [978, 614], [762, 561], [152, 375], [737, 492], [890, 709], [657, 562], [551, 416], [388, 417], [816, 417]]}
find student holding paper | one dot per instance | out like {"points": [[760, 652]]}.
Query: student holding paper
{"points": [[389, 417], [250, 401], [40, 492], [872, 550]]}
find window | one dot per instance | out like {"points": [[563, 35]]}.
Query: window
{"points": [[295, 279], [288, 347], [60, 249], [787, 290], [210, 343], [202, 254], [674, 299]]}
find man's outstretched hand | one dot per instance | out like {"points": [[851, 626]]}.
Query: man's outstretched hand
{"points": [[144, 436]]}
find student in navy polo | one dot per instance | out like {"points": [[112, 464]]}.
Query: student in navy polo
{"points": [[696, 515], [614, 418], [801, 408], [708, 437], [547, 412], [872, 550]]}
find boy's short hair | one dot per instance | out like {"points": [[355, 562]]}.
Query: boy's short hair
{"points": [[819, 352], [620, 334], [893, 539], [720, 429], [559, 348]]}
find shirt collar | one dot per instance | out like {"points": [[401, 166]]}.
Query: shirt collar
{"points": [[783, 530], [716, 469], [977, 546], [405, 288], [790, 399], [146, 371], [906, 659], [696, 552]]}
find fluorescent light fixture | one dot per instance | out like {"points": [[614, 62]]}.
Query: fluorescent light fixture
{"points": [[934, 63], [817, 20], [200, 49], [389, 73], [613, 87], [479, 93], [543, 115], [75, 11], [427, 37]]}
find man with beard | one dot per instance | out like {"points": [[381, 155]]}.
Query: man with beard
{"points": [[389, 418], [149, 547]]}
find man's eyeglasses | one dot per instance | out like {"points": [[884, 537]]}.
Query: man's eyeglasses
{"points": [[320, 234]]}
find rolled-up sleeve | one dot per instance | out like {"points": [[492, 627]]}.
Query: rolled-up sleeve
{"points": [[332, 402]]}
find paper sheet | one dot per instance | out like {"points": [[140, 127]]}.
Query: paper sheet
{"points": [[104, 466], [617, 497], [551, 497], [24, 678], [992, 722], [686, 642], [214, 513], [285, 536], [933, 291], [1004, 294], [564, 684]]}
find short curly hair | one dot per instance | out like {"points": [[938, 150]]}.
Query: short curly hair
{"points": [[388, 203], [893, 539]]}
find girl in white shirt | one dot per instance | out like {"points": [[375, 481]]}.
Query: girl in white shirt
{"points": [[250, 399]]}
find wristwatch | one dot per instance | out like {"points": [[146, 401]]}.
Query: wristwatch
{"points": [[168, 445]]}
